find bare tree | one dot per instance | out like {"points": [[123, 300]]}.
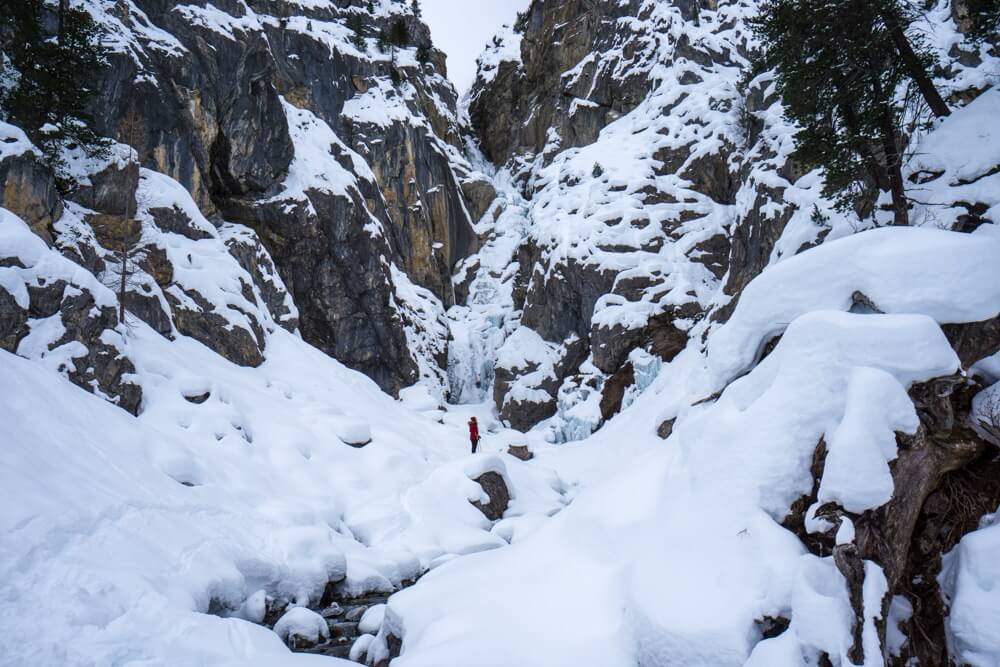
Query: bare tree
{"points": [[122, 234]]}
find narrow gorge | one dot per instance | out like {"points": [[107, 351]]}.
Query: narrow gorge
{"points": [[727, 419]]}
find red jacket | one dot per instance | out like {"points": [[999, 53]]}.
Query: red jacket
{"points": [[473, 431]]}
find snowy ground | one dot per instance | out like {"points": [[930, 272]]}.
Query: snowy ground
{"points": [[672, 549], [121, 533]]}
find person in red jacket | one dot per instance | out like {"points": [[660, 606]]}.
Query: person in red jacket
{"points": [[474, 433]]}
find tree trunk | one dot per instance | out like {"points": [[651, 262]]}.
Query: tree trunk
{"points": [[913, 64], [893, 168], [875, 169], [63, 8], [123, 284]]}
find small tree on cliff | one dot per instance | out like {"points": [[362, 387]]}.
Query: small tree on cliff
{"points": [[357, 27], [399, 33], [48, 79], [122, 234], [839, 65], [415, 8]]}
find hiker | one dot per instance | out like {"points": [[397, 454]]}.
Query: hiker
{"points": [[474, 433]]}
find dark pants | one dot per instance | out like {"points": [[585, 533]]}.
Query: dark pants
{"points": [[475, 443]]}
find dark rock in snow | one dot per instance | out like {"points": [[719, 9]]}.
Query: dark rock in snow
{"points": [[494, 487], [614, 391], [522, 452], [666, 428]]}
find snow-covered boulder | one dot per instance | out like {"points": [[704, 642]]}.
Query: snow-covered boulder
{"points": [[302, 628], [372, 620], [354, 432]]}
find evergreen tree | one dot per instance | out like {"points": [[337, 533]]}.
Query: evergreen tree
{"points": [[48, 78], [415, 7], [839, 65], [521, 22], [383, 40], [915, 57], [399, 33], [423, 54], [985, 17], [357, 26]]}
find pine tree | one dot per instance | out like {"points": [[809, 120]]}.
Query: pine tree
{"points": [[985, 17], [357, 27], [415, 7], [521, 22], [839, 65], [915, 57], [399, 33], [48, 80], [423, 54]]}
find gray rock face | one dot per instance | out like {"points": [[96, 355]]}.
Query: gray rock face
{"points": [[334, 270], [514, 114], [210, 114], [95, 365], [13, 321], [29, 191], [581, 67]]}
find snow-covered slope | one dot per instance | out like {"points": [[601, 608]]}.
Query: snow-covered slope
{"points": [[141, 539], [682, 551]]}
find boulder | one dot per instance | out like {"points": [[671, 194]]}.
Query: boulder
{"points": [[28, 189], [354, 432], [522, 452], [493, 486], [614, 390]]}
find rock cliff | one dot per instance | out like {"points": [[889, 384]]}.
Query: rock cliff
{"points": [[647, 179], [345, 158]]}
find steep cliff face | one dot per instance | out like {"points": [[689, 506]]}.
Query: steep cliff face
{"points": [[618, 124], [648, 182], [345, 159]]}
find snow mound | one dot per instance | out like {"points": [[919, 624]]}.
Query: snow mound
{"points": [[301, 627], [970, 578], [950, 277]]}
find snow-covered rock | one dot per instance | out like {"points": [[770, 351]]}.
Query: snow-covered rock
{"points": [[301, 628]]}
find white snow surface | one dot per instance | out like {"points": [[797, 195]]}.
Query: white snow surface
{"points": [[970, 578], [672, 549], [126, 531], [303, 624]]}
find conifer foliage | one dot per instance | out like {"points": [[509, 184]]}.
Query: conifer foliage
{"points": [[52, 60], [840, 65], [985, 17]]}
